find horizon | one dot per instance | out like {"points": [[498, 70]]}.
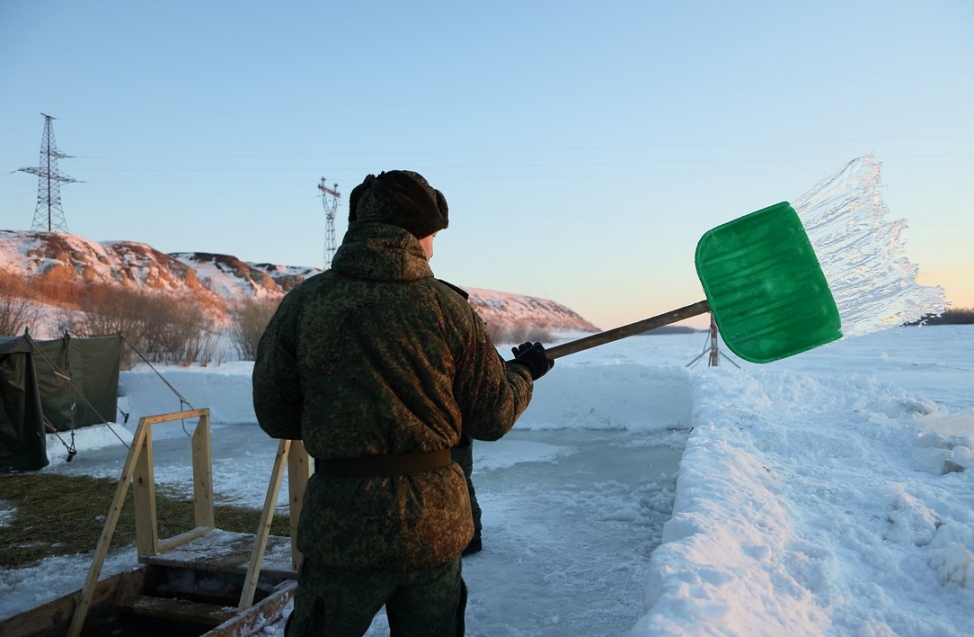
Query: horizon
{"points": [[583, 151], [199, 262]]}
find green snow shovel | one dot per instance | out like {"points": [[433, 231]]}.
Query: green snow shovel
{"points": [[764, 287]]}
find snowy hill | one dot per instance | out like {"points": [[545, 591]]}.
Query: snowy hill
{"points": [[220, 281]]}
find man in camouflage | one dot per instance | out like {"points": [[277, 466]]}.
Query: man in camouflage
{"points": [[379, 367]]}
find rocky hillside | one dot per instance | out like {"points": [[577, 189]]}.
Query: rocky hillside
{"points": [[219, 281]]}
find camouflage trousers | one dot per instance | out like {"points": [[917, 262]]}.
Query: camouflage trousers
{"points": [[334, 603]]}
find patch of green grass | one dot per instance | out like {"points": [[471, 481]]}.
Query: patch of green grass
{"points": [[64, 515]]}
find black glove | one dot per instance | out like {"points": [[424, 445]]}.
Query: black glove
{"points": [[532, 356]]}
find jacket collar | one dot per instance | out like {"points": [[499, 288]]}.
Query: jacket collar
{"points": [[380, 252]]}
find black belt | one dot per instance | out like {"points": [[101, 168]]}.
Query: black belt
{"points": [[389, 464]]}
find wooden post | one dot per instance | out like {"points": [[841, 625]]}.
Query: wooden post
{"points": [[94, 571], [299, 472], [264, 528], [714, 353], [146, 527], [293, 453], [203, 473]]}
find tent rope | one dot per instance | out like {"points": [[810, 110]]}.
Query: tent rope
{"points": [[67, 377], [71, 449], [182, 400]]}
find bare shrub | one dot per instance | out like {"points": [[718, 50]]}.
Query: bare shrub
{"points": [[180, 332], [213, 349], [18, 311], [162, 328], [52, 289], [109, 310], [62, 320], [249, 319]]}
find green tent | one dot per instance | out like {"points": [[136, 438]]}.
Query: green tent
{"points": [[53, 386]]}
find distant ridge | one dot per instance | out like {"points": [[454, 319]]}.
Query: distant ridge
{"points": [[220, 281]]}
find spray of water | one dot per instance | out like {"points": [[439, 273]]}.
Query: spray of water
{"points": [[862, 255]]}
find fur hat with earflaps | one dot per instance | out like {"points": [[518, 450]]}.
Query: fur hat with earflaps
{"points": [[402, 198]]}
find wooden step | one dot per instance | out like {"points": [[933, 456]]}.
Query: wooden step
{"points": [[180, 610], [228, 552]]}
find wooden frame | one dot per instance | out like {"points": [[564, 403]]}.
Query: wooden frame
{"points": [[138, 470]]}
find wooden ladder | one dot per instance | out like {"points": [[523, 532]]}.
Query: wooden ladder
{"points": [[138, 472]]}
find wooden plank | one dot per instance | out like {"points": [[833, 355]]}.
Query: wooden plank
{"points": [[53, 617], [176, 415], [176, 541], [182, 610], [268, 610], [203, 472], [144, 493], [227, 552], [94, 571], [264, 528], [120, 592], [130, 584], [299, 472]]}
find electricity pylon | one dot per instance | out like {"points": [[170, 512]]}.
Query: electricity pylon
{"points": [[49, 215], [329, 199]]}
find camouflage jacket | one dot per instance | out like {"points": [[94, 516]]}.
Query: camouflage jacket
{"points": [[375, 356]]}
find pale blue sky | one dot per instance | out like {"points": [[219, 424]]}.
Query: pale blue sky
{"points": [[584, 147]]}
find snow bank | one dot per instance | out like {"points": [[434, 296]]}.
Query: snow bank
{"points": [[815, 505]]}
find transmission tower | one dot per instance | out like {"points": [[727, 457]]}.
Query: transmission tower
{"points": [[48, 215], [329, 199]]}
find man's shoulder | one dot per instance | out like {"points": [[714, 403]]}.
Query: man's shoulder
{"points": [[463, 293]]}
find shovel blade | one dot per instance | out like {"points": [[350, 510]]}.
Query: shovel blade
{"points": [[765, 286]]}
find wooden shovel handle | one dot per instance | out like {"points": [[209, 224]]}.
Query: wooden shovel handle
{"points": [[588, 342]]}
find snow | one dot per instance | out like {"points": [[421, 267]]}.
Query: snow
{"points": [[830, 493]]}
